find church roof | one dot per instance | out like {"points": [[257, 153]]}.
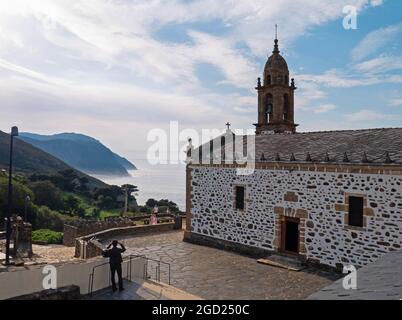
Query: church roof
{"points": [[378, 146], [380, 280]]}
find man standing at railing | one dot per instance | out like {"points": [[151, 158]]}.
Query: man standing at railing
{"points": [[115, 261]]}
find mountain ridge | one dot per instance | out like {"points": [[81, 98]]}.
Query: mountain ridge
{"points": [[27, 159], [81, 152]]}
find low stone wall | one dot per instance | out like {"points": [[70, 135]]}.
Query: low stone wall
{"points": [[82, 228], [92, 245], [78, 229], [65, 293]]}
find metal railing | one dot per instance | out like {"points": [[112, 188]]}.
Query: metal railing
{"points": [[157, 268], [129, 271]]}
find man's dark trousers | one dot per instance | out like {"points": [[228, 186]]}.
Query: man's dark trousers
{"points": [[116, 267]]}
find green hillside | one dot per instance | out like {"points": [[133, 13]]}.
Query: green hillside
{"points": [[31, 160]]}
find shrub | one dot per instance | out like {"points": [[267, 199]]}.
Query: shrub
{"points": [[48, 236], [48, 219]]}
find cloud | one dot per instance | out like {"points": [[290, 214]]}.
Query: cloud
{"points": [[324, 108], [99, 61], [337, 79], [380, 65], [369, 115], [376, 3], [21, 70], [375, 41], [395, 102]]}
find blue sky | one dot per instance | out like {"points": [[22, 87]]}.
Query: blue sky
{"points": [[116, 69]]}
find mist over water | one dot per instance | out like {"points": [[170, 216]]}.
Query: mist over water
{"points": [[158, 182]]}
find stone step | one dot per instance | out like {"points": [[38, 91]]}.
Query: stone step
{"points": [[139, 289], [285, 262]]}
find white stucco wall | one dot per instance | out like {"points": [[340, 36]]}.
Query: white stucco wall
{"points": [[21, 282], [327, 238]]}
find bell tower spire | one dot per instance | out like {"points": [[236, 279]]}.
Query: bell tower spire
{"points": [[276, 46], [276, 96]]}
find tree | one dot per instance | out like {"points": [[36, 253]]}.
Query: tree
{"points": [[47, 194], [96, 212], [71, 204], [106, 203], [66, 180], [128, 190], [163, 203], [151, 203], [20, 192]]}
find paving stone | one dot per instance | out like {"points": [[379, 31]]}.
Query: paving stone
{"points": [[215, 274]]}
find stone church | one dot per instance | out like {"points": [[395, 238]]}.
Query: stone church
{"points": [[328, 198]]}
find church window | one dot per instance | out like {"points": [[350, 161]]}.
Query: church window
{"points": [[269, 80], [356, 211], [285, 107], [240, 193], [269, 105]]}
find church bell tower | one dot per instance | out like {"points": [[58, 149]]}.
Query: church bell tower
{"points": [[276, 97]]}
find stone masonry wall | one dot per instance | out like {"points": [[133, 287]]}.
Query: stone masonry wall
{"points": [[93, 244], [85, 227], [81, 228], [318, 198]]}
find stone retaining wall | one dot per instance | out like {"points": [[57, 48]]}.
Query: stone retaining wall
{"points": [[73, 231], [81, 228], [92, 245]]}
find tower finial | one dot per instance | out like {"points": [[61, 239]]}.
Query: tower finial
{"points": [[276, 47], [276, 31]]}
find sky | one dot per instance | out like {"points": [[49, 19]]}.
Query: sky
{"points": [[116, 69]]}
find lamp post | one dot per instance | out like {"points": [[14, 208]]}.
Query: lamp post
{"points": [[27, 199], [14, 133]]}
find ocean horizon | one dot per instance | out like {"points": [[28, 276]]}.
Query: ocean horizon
{"points": [[154, 181]]}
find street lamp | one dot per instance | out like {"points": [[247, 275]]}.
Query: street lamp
{"points": [[14, 133], [27, 199]]}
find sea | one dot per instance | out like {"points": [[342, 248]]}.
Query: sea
{"points": [[154, 181]]}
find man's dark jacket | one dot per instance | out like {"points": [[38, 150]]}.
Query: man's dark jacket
{"points": [[114, 255]]}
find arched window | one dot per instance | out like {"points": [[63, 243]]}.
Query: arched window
{"points": [[269, 79], [269, 106], [285, 107]]}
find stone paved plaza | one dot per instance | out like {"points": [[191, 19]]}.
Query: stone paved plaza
{"points": [[216, 274]]}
